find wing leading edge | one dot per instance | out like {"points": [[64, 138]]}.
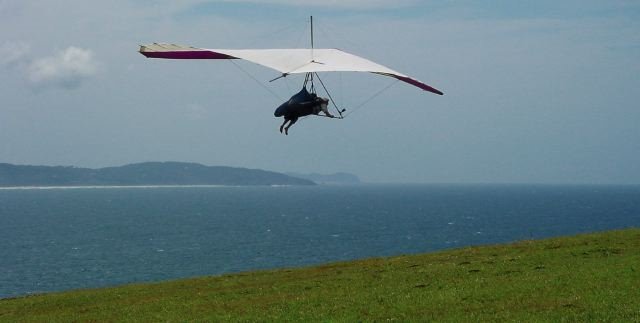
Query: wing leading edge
{"points": [[285, 61]]}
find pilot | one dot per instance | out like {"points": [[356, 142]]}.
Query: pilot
{"points": [[301, 104]]}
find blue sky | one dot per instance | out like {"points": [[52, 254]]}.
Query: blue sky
{"points": [[542, 92], [505, 9]]}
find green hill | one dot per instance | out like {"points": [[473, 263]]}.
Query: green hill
{"points": [[150, 173], [586, 278]]}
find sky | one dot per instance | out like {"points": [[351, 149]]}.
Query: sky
{"points": [[535, 92]]}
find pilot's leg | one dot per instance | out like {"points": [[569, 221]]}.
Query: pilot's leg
{"points": [[286, 129], [283, 123]]}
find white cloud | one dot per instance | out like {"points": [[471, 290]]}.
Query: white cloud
{"points": [[13, 53], [68, 69]]}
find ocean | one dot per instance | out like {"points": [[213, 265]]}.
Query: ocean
{"points": [[59, 239]]}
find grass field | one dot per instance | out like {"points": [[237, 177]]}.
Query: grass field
{"points": [[586, 278]]}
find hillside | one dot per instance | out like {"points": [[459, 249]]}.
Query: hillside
{"points": [[586, 278], [150, 173]]}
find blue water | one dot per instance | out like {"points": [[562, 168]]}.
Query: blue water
{"points": [[60, 239]]}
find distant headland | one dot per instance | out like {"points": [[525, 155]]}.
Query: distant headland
{"points": [[331, 179], [148, 173]]}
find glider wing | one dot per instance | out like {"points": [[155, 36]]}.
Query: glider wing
{"points": [[285, 61]]}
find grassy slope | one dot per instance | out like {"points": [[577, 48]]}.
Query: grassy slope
{"points": [[593, 277]]}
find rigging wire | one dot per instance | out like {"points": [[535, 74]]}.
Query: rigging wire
{"points": [[336, 36], [330, 98], [371, 98], [256, 80], [286, 82], [341, 97], [309, 78], [303, 32], [268, 34], [327, 34]]}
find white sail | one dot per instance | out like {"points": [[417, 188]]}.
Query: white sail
{"points": [[285, 61]]}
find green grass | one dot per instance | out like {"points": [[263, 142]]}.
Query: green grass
{"points": [[586, 278]]}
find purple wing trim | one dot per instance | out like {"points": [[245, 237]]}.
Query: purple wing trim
{"points": [[413, 82], [187, 54], [417, 83]]}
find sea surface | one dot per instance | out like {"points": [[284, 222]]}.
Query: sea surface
{"points": [[58, 239]]}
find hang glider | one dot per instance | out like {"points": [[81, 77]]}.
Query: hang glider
{"points": [[285, 61]]}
